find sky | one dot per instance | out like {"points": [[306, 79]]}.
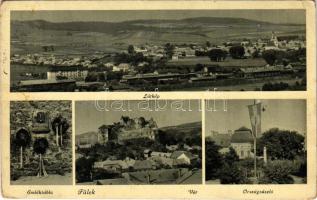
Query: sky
{"points": [[274, 16], [89, 117], [283, 114]]}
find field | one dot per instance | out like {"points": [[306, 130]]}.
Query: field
{"points": [[17, 72], [229, 62]]}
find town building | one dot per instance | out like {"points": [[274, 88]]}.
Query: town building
{"points": [[222, 139], [241, 142], [46, 85], [69, 73], [257, 72]]}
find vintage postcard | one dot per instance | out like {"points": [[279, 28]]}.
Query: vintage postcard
{"points": [[158, 99]]}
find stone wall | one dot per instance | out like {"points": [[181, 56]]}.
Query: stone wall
{"points": [[56, 160]]}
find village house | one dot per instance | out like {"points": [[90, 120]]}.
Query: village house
{"points": [[160, 154], [111, 165], [109, 64], [184, 52], [164, 161], [115, 165], [174, 57], [140, 50], [185, 156], [172, 147], [124, 67], [141, 165]]}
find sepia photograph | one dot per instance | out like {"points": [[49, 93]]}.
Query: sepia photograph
{"points": [[40, 143], [158, 50], [257, 142], [138, 142]]}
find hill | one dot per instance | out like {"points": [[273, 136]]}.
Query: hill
{"points": [[82, 37], [110, 27], [189, 133], [183, 127]]}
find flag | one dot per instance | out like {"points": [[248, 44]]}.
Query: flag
{"points": [[255, 118]]}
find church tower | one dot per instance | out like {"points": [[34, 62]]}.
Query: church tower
{"points": [[274, 39]]}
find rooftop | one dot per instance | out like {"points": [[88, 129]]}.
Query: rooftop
{"points": [[261, 69], [242, 135], [43, 81]]}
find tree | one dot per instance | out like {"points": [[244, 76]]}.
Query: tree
{"points": [[101, 77], [84, 169], [137, 58], [269, 56], [56, 127], [281, 144], [208, 44], [22, 140], [275, 86], [91, 77], [255, 54], [231, 156], [169, 50], [131, 49], [40, 146], [237, 52], [64, 126], [142, 121], [214, 160], [121, 58], [103, 129], [217, 55]]}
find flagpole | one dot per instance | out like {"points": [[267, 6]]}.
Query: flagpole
{"points": [[254, 144]]}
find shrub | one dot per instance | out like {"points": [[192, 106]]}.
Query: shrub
{"points": [[15, 174], [277, 172], [231, 174], [300, 168]]}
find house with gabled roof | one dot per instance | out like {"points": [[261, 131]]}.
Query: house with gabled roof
{"points": [[184, 155]]}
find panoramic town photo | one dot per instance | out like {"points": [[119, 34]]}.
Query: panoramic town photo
{"points": [[138, 142], [40, 143], [158, 50], [256, 142]]}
